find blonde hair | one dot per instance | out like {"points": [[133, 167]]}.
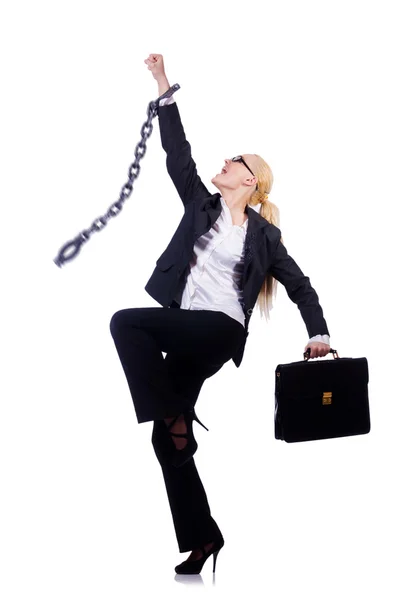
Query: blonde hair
{"points": [[271, 213]]}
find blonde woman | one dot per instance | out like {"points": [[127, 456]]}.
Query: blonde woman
{"points": [[224, 259]]}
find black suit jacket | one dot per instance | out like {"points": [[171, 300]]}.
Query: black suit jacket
{"points": [[263, 251]]}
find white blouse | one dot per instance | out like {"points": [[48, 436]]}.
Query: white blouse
{"points": [[216, 268]]}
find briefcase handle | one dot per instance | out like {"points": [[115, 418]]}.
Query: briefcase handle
{"points": [[306, 355]]}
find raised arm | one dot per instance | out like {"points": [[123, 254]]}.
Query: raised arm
{"points": [[180, 164]]}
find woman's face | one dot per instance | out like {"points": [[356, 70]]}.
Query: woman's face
{"points": [[233, 174]]}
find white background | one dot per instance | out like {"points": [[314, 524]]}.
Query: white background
{"points": [[310, 86]]}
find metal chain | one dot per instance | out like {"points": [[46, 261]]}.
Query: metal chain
{"points": [[73, 247]]}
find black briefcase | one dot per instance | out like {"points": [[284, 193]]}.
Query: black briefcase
{"points": [[321, 399]]}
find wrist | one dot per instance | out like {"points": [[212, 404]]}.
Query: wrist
{"points": [[163, 84]]}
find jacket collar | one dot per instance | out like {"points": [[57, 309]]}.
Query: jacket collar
{"points": [[255, 220], [212, 204]]}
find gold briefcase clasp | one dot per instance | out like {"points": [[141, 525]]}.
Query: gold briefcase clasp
{"points": [[327, 397]]}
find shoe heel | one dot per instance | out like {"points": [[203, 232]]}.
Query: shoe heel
{"points": [[195, 417], [215, 555]]}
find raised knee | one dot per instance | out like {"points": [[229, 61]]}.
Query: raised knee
{"points": [[115, 321]]}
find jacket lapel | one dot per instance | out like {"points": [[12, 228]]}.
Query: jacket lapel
{"points": [[252, 238]]}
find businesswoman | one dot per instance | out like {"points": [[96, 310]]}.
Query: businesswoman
{"points": [[223, 259]]}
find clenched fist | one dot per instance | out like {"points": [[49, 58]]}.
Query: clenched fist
{"points": [[155, 64], [317, 349]]}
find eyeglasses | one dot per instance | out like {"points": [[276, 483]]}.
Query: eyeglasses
{"points": [[240, 159]]}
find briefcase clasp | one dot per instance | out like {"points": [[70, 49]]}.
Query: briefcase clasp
{"points": [[327, 397]]}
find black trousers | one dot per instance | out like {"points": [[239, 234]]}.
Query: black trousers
{"points": [[198, 343]]}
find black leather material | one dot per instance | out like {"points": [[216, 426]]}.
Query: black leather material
{"points": [[319, 399]]}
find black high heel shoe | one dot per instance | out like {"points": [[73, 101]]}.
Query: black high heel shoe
{"points": [[193, 567], [184, 454]]}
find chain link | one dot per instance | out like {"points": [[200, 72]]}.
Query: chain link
{"points": [[72, 248]]}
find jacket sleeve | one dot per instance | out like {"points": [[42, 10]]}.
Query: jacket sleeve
{"points": [[298, 287], [180, 164]]}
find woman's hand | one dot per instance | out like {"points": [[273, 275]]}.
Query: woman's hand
{"points": [[317, 349], [155, 64]]}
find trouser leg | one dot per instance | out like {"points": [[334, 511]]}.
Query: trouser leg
{"points": [[191, 514], [190, 510], [198, 343], [140, 354]]}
